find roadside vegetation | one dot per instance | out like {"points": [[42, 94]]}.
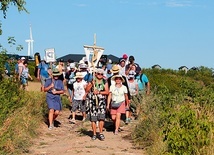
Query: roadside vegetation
{"points": [[177, 118]]}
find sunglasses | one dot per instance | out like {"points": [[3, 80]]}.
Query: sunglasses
{"points": [[99, 74]]}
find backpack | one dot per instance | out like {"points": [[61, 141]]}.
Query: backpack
{"points": [[141, 83]]}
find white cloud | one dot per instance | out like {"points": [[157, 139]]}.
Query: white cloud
{"points": [[178, 3]]}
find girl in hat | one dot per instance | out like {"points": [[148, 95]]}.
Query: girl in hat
{"points": [[117, 100], [78, 96], [54, 87]]}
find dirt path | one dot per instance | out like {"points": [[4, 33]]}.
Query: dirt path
{"points": [[75, 139]]}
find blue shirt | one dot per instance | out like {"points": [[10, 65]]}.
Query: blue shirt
{"points": [[144, 79], [7, 67], [43, 69]]}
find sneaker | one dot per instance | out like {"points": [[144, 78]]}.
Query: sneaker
{"points": [[94, 137], [50, 127], [116, 132], [127, 121], [83, 119], [102, 137], [72, 121]]}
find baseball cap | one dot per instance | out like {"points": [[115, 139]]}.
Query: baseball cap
{"points": [[125, 56], [22, 58]]}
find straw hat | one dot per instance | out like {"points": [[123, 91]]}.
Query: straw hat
{"points": [[79, 75], [118, 76], [56, 72], [115, 69]]}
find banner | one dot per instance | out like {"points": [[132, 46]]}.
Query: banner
{"points": [[50, 55], [93, 56]]}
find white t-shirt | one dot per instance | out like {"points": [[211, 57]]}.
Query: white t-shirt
{"points": [[79, 90], [118, 93], [132, 87], [122, 70]]}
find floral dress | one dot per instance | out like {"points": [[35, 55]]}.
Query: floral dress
{"points": [[97, 103]]}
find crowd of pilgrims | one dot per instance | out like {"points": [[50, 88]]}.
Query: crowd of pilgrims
{"points": [[94, 92]]}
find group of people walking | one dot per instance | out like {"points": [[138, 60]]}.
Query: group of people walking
{"points": [[93, 91]]}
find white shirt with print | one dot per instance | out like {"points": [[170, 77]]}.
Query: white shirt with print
{"points": [[79, 90], [118, 93]]}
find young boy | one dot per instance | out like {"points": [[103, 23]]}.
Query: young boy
{"points": [[78, 96]]}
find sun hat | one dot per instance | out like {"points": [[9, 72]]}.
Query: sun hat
{"points": [[118, 76], [78, 75], [56, 72], [99, 70], [122, 60], [72, 65], [83, 66], [115, 69], [22, 58], [125, 56]]}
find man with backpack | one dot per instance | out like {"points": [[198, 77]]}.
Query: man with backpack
{"points": [[143, 82]]}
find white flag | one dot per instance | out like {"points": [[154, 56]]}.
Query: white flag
{"points": [[92, 56], [50, 55]]}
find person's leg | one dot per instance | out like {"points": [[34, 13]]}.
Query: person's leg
{"points": [[56, 114], [50, 117], [75, 105], [127, 116], [93, 120], [93, 126], [117, 122], [83, 109]]}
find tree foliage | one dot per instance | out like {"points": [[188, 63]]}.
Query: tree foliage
{"points": [[5, 4]]}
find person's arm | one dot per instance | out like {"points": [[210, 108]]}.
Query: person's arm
{"points": [[38, 74], [30, 76], [136, 88], [106, 91], [126, 100], [148, 88], [49, 87], [109, 100], [20, 71]]}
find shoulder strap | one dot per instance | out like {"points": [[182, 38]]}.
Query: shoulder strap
{"points": [[141, 75]]}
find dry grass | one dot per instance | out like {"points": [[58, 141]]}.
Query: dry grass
{"points": [[20, 127]]}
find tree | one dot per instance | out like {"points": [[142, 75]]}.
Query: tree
{"points": [[20, 4]]}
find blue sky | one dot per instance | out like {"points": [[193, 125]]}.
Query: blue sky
{"points": [[171, 33]]}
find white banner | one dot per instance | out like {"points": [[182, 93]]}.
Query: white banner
{"points": [[50, 55], [92, 56]]}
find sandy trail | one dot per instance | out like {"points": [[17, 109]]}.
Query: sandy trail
{"points": [[75, 139]]}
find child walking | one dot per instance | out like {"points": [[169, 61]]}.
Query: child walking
{"points": [[78, 96], [25, 75]]}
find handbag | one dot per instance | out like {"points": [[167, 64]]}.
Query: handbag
{"points": [[116, 105]]}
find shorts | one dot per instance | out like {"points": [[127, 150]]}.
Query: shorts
{"points": [[42, 78], [78, 104], [24, 81], [120, 110], [99, 117]]}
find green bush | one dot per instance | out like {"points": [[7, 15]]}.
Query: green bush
{"points": [[177, 118]]}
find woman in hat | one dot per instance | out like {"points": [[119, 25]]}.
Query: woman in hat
{"points": [[117, 100], [97, 95], [78, 96], [54, 87]]}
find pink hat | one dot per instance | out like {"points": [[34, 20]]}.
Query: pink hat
{"points": [[125, 56]]}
